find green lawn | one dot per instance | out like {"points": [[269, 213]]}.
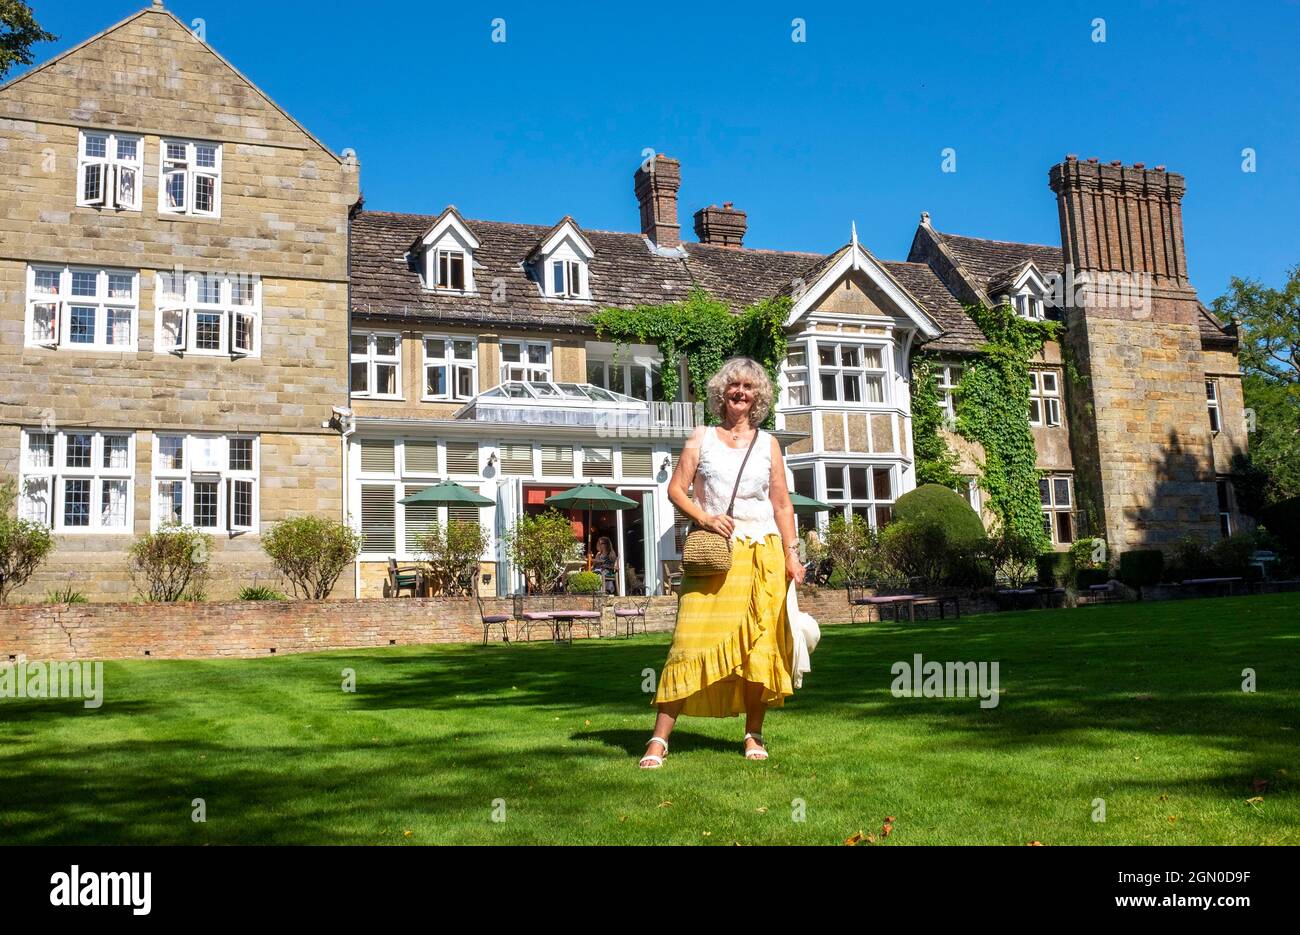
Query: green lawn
{"points": [[1140, 705]]}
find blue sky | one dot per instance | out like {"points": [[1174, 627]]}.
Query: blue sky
{"points": [[805, 137]]}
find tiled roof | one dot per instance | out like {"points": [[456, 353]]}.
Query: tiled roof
{"points": [[985, 260], [1214, 331], [624, 272]]}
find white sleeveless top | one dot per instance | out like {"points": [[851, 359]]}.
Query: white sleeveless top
{"points": [[716, 475]]}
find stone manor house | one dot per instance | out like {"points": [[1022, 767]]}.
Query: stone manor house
{"points": [[201, 323]]}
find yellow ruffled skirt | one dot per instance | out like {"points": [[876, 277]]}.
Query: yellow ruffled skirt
{"points": [[731, 629]]}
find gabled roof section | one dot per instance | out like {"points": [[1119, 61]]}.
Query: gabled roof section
{"points": [[853, 257], [1214, 332], [984, 260], [158, 11], [449, 219], [1014, 278], [565, 227]]}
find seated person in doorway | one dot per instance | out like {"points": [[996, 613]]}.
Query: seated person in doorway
{"points": [[605, 563]]}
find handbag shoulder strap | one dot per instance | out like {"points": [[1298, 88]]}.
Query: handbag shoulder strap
{"points": [[735, 487]]}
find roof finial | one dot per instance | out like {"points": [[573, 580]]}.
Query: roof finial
{"points": [[854, 227], [157, 4], [925, 218]]}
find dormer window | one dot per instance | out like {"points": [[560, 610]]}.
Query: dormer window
{"points": [[566, 279], [451, 270], [444, 254], [558, 262], [1029, 305]]}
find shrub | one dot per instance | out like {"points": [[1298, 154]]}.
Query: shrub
{"points": [[452, 555], [1230, 556], [1139, 568], [932, 505], [585, 582], [916, 550], [1189, 557], [260, 592], [311, 552], [1283, 520], [171, 564], [1089, 554], [65, 596], [1054, 569], [23, 545], [854, 550], [1012, 557], [540, 545]]}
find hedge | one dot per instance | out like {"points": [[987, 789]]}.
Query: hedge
{"points": [[1141, 567], [933, 505]]}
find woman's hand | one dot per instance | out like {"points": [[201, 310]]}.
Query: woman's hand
{"points": [[720, 523], [793, 567]]}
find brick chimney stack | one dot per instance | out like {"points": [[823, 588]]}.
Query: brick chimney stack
{"points": [[1140, 438], [656, 192], [1121, 219], [722, 227]]}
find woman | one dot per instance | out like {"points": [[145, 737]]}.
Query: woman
{"points": [[605, 563], [731, 650]]}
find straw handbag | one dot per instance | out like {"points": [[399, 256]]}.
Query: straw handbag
{"points": [[706, 552]]}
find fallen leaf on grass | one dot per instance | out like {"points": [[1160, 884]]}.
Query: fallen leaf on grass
{"points": [[706, 833], [1036, 844], [1173, 819], [665, 804], [1256, 800], [407, 834], [854, 839], [762, 809]]}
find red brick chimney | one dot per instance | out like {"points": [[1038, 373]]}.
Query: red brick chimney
{"points": [[1121, 219], [656, 192], [723, 227]]}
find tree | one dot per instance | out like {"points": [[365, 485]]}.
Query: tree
{"points": [[452, 554], [1269, 320], [171, 564], [19, 31], [540, 546], [23, 545]]}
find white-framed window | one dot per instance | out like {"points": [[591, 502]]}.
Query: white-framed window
{"points": [[450, 270], [1223, 488], [209, 482], [81, 307], [110, 170], [376, 364], [526, 360], [208, 313], [640, 377], [946, 379], [568, 279], [796, 375], [1030, 305], [1057, 495], [1212, 405], [450, 367], [189, 180], [78, 480], [385, 468], [1044, 398], [866, 490], [851, 373]]}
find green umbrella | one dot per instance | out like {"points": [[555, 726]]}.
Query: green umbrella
{"points": [[447, 492], [590, 497], [804, 504]]}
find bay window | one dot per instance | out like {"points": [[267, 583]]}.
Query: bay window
{"points": [[78, 480], [376, 364], [209, 482], [450, 368], [190, 178], [851, 373], [208, 313], [865, 490], [109, 170], [82, 308]]}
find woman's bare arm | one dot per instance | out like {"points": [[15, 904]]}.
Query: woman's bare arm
{"points": [[783, 510]]}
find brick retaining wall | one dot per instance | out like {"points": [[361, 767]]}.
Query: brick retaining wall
{"points": [[246, 629]]}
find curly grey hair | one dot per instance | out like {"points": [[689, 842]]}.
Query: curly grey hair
{"points": [[742, 368]]}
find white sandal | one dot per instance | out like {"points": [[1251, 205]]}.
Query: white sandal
{"points": [[759, 752], [656, 759]]}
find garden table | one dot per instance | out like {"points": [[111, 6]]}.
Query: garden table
{"points": [[1222, 586]]}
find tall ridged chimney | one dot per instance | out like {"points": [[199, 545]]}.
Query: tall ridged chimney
{"points": [[656, 192], [723, 227], [1143, 448]]}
